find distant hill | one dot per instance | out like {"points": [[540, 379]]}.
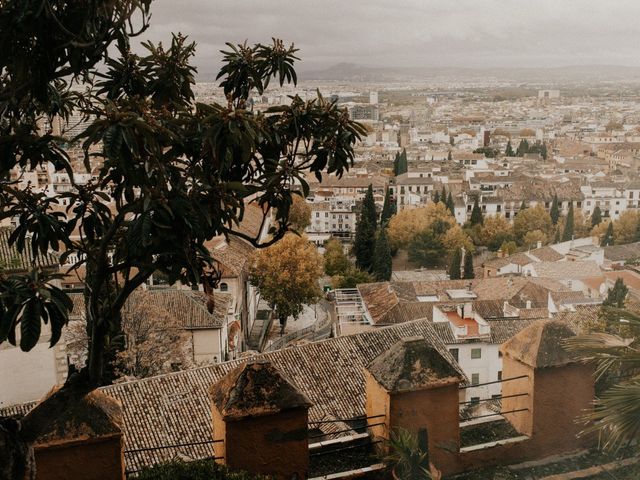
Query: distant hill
{"points": [[586, 73]]}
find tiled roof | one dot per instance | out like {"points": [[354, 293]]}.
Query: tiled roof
{"points": [[617, 253], [233, 257], [176, 408], [187, 306], [540, 345], [567, 270], [546, 254], [12, 260]]}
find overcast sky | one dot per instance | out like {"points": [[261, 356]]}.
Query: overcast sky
{"points": [[460, 33]]}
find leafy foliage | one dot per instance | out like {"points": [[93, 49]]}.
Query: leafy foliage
{"points": [[529, 219], [197, 470], [169, 173], [617, 294], [335, 260], [408, 458], [287, 275], [351, 278]]}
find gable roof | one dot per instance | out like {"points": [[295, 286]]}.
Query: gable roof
{"points": [[11, 260], [540, 345]]}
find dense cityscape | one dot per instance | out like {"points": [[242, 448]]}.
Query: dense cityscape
{"points": [[345, 272]]}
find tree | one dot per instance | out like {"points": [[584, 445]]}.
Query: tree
{"points": [[450, 205], [476, 214], [616, 414], [287, 274], [625, 227], [555, 210], [529, 219], [409, 456], [468, 266], [509, 150], [403, 164], [596, 216], [543, 151], [155, 339], [381, 267], [456, 238], [335, 260], [299, 214], [509, 247], [617, 294], [365, 237], [455, 265], [406, 224], [449, 157], [523, 205], [608, 236], [495, 231], [388, 209], [567, 233], [636, 236], [523, 148], [351, 278], [436, 197], [169, 174], [532, 238], [426, 249]]}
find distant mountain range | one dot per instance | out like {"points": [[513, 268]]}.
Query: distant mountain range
{"points": [[361, 73]]}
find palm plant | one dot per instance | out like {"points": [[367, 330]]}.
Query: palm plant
{"points": [[615, 351], [408, 456]]}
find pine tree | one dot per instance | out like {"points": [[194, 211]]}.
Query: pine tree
{"points": [[476, 214], [454, 266], [450, 205], [388, 209], [436, 197], [381, 267], [596, 216], [555, 210], [568, 226], [608, 236], [468, 266], [617, 295], [509, 150]]}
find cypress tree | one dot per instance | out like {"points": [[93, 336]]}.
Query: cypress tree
{"points": [[388, 209], [365, 238], [568, 226], [454, 266], [523, 205], [555, 210], [449, 156], [608, 236], [476, 214], [636, 237], [381, 267], [556, 238], [523, 148], [468, 265], [403, 165], [436, 197], [543, 151], [450, 205], [396, 162], [596, 216], [443, 195], [369, 207], [509, 150], [617, 294]]}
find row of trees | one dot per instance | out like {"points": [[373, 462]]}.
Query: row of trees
{"points": [[371, 246], [525, 147], [400, 163]]}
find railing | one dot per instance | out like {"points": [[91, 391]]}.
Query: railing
{"points": [[282, 341]]}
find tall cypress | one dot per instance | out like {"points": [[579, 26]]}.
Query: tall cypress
{"points": [[555, 210], [608, 235], [396, 162], [449, 157], [468, 265], [381, 265], [365, 238], [450, 205], [436, 197], [476, 214], [388, 209], [568, 226], [443, 195], [403, 164], [596, 216], [509, 150], [454, 266], [636, 236], [523, 205]]}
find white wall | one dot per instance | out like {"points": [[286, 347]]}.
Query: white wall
{"points": [[487, 366]]}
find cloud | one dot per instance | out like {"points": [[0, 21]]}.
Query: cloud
{"points": [[462, 33]]}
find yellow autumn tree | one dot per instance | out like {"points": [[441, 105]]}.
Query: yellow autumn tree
{"points": [[495, 231], [625, 227], [530, 219], [404, 226], [287, 274]]}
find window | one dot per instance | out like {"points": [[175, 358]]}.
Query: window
{"points": [[475, 378], [475, 400], [476, 353], [497, 396], [224, 287], [499, 354], [454, 353], [500, 375]]}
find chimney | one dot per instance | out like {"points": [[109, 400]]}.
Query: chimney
{"points": [[539, 244], [528, 304]]}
